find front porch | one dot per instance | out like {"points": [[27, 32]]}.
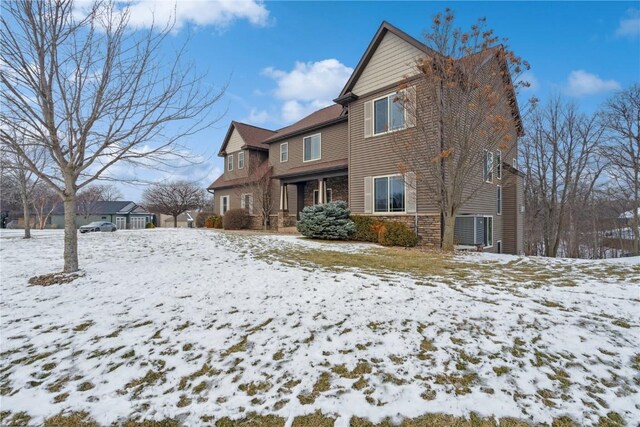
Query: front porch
{"points": [[298, 192]]}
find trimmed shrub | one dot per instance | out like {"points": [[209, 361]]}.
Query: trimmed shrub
{"points": [[329, 221], [235, 219], [396, 234], [365, 228], [213, 221], [201, 219], [149, 225]]}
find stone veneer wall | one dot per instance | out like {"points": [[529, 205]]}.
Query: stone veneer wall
{"points": [[339, 189], [428, 227]]}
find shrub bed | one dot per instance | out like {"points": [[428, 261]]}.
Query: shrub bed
{"points": [[328, 221], [213, 221], [387, 233], [235, 219]]}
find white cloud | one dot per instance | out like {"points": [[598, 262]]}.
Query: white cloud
{"points": [[630, 25], [581, 83], [309, 86], [256, 116], [216, 13]]}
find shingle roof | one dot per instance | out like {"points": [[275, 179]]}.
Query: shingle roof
{"points": [[316, 119], [314, 168], [258, 173], [102, 208], [253, 136]]}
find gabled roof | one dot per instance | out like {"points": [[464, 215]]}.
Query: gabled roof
{"points": [[105, 208], [258, 173], [253, 136], [323, 117], [384, 28]]}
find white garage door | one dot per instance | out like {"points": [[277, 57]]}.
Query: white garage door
{"points": [[138, 223], [121, 222]]}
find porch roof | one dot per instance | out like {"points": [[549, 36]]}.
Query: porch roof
{"points": [[310, 170]]}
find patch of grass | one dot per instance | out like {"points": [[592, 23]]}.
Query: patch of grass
{"points": [[205, 370], [200, 387], [441, 420], [360, 369], [254, 388], [184, 401], [461, 384], [129, 354], [501, 370], [314, 420], [18, 419], [622, 323], [279, 355], [167, 422], [138, 385], [187, 347], [237, 347], [71, 419], [54, 279], [61, 397], [87, 385], [322, 384], [252, 420]]}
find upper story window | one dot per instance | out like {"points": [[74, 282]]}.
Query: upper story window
{"points": [[241, 160], [499, 164], [388, 113], [389, 194], [284, 152], [488, 166], [230, 162], [499, 200], [312, 147]]}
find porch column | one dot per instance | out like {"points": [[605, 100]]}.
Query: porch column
{"points": [[321, 195], [284, 198]]}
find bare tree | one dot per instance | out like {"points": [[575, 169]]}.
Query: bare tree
{"points": [[108, 192], [44, 201], [462, 103], [561, 157], [260, 195], [92, 93], [173, 198], [621, 117]]}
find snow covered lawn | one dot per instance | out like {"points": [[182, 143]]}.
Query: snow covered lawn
{"points": [[197, 325]]}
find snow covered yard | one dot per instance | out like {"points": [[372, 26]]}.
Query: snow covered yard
{"points": [[199, 325]]}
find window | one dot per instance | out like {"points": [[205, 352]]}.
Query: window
{"points": [[488, 231], [241, 160], [284, 152], [230, 162], [488, 166], [389, 194], [312, 147], [224, 204], [515, 163], [316, 196], [499, 199], [499, 164], [388, 114], [246, 203]]}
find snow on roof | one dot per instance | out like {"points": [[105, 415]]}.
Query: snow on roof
{"points": [[628, 214]]}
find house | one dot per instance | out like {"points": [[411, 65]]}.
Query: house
{"points": [[346, 152], [124, 214], [185, 220]]}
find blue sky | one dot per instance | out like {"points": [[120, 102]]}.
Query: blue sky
{"points": [[284, 59]]}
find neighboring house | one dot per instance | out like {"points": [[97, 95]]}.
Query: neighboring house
{"points": [[346, 152], [185, 220], [124, 214]]}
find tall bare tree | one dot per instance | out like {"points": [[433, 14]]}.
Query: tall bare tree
{"points": [[173, 198], [44, 201], [561, 155], [260, 194], [462, 103], [93, 93], [621, 117]]}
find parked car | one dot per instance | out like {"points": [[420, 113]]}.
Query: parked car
{"points": [[98, 226]]}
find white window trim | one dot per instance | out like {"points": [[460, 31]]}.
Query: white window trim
{"points": [[515, 163], [286, 144], [373, 116], [243, 203], [328, 191], [229, 162], [489, 177], [485, 227], [499, 205], [222, 199], [373, 194], [499, 164], [311, 136], [241, 154]]}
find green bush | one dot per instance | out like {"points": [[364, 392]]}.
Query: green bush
{"points": [[149, 225], [213, 221], [365, 228], [393, 233], [328, 221], [235, 219]]}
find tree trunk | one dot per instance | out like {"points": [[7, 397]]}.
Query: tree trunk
{"points": [[70, 234], [25, 210], [175, 221], [448, 234]]}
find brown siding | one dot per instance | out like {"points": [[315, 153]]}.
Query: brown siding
{"points": [[334, 146], [509, 213]]}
